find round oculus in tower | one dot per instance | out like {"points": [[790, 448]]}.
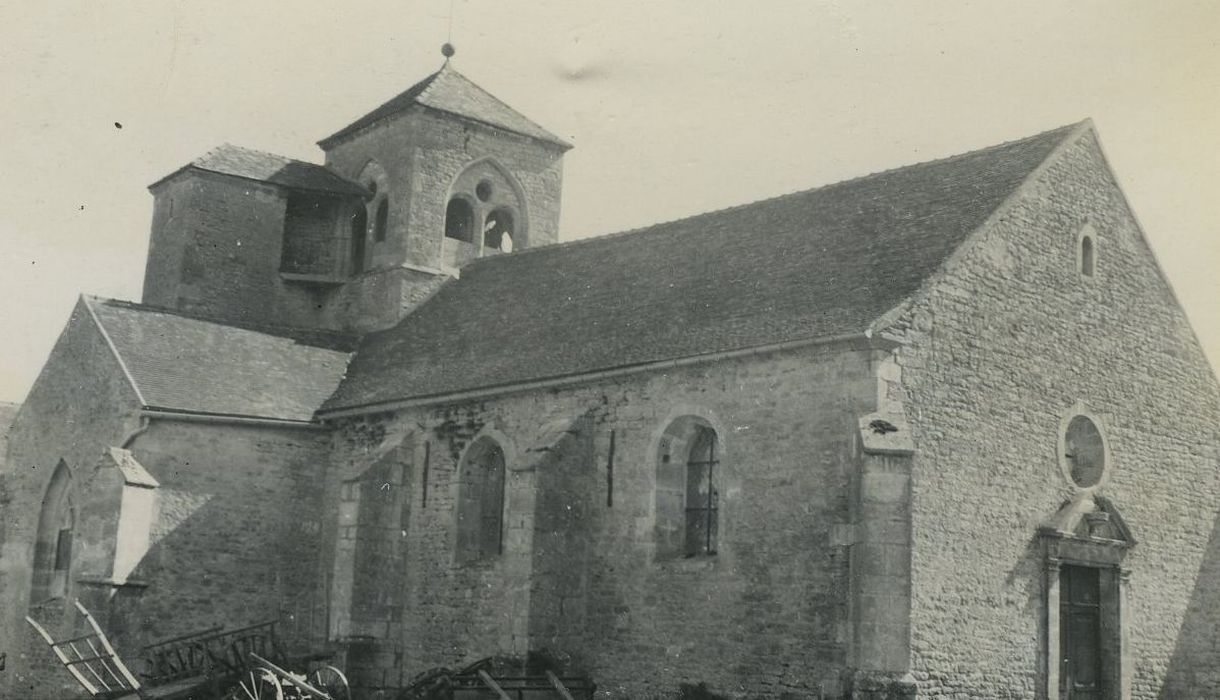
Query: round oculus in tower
{"points": [[484, 190]]}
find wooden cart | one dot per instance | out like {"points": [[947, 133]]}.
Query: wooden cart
{"points": [[212, 664], [94, 663]]}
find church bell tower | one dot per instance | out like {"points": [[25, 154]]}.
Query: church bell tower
{"points": [[455, 175], [438, 176]]}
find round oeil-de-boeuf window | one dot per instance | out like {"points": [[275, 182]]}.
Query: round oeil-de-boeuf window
{"points": [[1084, 452]]}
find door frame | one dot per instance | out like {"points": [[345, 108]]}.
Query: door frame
{"points": [[1113, 582]]}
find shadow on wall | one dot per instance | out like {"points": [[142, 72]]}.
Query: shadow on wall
{"points": [[1028, 573], [1194, 668], [226, 562]]}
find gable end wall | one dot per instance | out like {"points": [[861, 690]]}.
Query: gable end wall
{"points": [[80, 403], [996, 352]]}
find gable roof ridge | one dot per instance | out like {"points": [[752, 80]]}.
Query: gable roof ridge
{"points": [[258, 151], [372, 118], [776, 198], [238, 147], [87, 300], [426, 84], [1071, 133]]}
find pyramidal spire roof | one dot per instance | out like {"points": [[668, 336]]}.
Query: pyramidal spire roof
{"points": [[449, 91]]}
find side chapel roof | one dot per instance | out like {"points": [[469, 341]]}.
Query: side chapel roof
{"points": [[279, 170], [813, 264], [181, 363]]}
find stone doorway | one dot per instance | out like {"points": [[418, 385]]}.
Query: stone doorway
{"points": [[1084, 544]]}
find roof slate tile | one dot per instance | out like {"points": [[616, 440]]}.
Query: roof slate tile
{"points": [[269, 167]]}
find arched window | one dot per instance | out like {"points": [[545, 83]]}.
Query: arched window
{"points": [[381, 220], [1086, 256], [688, 491], [487, 207], [360, 227], [459, 220], [498, 230], [53, 546], [480, 517]]}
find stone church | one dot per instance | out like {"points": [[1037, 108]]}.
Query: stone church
{"points": [[941, 431]]}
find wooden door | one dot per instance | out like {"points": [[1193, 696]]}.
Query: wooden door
{"points": [[1080, 676]]}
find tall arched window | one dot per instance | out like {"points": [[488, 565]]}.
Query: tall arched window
{"points": [[459, 220], [688, 489], [480, 516], [1086, 256], [53, 546], [381, 221], [1086, 250]]}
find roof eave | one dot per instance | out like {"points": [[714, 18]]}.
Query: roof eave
{"points": [[862, 339], [348, 132], [363, 192], [184, 415]]}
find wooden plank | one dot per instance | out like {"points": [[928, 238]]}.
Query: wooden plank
{"points": [[63, 658], [559, 686], [491, 683], [131, 680], [108, 663]]}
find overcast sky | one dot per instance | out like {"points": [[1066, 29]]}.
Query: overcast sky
{"points": [[674, 108]]}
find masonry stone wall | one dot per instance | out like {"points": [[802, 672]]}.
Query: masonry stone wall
{"points": [[996, 353], [220, 255], [168, 240], [767, 615], [80, 403]]}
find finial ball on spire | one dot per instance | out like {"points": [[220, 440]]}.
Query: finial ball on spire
{"points": [[447, 50]]}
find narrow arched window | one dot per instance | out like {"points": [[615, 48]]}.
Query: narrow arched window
{"points": [[459, 220], [53, 543], [688, 490], [1086, 256], [480, 517], [359, 231], [381, 221], [498, 230]]}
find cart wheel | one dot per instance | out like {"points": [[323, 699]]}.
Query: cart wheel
{"points": [[257, 685], [331, 680]]}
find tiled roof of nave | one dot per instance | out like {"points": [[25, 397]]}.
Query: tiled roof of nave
{"points": [[812, 264]]}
